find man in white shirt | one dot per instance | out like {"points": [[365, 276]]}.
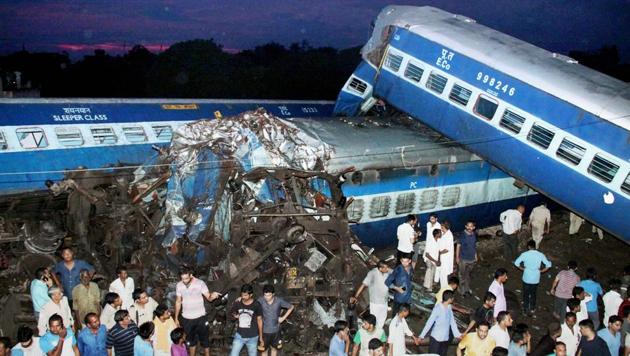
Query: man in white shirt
{"points": [[27, 344], [57, 305], [143, 307], [406, 236], [431, 258], [378, 291], [123, 286], [432, 224], [398, 329], [570, 333], [499, 332], [539, 222], [612, 299], [511, 221], [446, 247]]}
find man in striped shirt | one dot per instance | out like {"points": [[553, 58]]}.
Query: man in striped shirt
{"points": [[562, 289], [122, 335]]}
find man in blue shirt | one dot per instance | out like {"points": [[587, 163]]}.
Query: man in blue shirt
{"points": [[92, 339], [612, 334], [340, 342], [530, 263], [70, 272], [595, 290], [400, 282], [466, 256], [39, 289], [58, 340], [440, 323]]}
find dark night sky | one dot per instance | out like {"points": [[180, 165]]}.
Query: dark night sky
{"points": [[79, 26]]}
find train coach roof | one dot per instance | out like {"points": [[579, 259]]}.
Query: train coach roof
{"points": [[555, 74]]}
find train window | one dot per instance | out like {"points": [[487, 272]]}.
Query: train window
{"points": [[379, 206], [570, 151], [486, 107], [393, 61], [428, 199], [512, 121], [540, 136], [625, 186], [32, 137], [355, 210], [436, 82], [69, 136], [163, 132], [405, 203], [460, 95], [450, 196], [3, 141], [103, 135], [413, 72], [602, 168], [357, 85], [134, 134]]}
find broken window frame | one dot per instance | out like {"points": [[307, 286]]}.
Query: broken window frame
{"points": [[158, 131], [23, 133], [69, 136], [355, 210]]}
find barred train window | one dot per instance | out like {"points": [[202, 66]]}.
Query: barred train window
{"points": [[163, 132], [540, 136], [450, 196], [355, 210], [436, 82], [134, 134], [393, 61], [625, 186], [413, 72], [428, 199], [570, 151], [357, 85], [405, 203], [486, 107], [379, 206], [460, 95], [69, 136], [602, 168], [3, 141], [32, 137], [104, 135], [512, 121]]}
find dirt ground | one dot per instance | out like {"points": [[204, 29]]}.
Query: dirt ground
{"points": [[608, 256]]}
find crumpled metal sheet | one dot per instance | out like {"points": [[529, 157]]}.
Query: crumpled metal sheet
{"points": [[201, 151]]}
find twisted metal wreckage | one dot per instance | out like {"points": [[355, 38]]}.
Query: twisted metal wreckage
{"points": [[244, 199]]}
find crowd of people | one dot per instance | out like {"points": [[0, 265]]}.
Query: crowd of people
{"points": [[491, 330]]}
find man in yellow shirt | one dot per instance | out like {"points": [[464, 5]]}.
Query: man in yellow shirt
{"points": [[477, 343], [164, 324]]}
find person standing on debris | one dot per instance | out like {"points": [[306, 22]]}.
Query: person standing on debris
{"points": [[499, 331], [123, 286], [249, 317], [27, 345], [570, 333], [398, 330], [378, 291], [496, 288], [594, 289], [367, 332], [440, 322], [478, 343], [142, 345], [69, 271], [339, 343], [484, 313], [59, 340], [432, 258], [86, 297], [93, 339], [530, 263], [406, 235], [39, 289], [57, 305], [190, 293], [400, 282], [111, 306], [466, 256], [590, 343], [511, 221], [539, 222], [562, 287], [164, 324], [270, 337], [121, 337], [612, 299], [612, 334], [446, 246], [143, 307]]}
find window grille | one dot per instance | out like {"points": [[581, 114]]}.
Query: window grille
{"points": [[512, 121], [393, 61], [602, 168], [104, 135], [436, 82], [413, 72], [163, 132], [570, 151], [450, 196], [428, 199], [379, 206], [405, 203], [540, 136], [69, 136], [460, 95], [32, 137], [134, 134]]}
